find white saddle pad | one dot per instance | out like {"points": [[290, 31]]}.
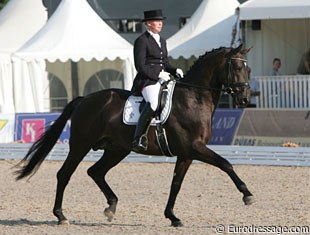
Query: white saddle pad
{"points": [[131, 112]]}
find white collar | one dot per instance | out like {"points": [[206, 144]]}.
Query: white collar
{"points": [[154, 35]]}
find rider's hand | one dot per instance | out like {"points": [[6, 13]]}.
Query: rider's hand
{"points": [[179, 73], [163, 77]]}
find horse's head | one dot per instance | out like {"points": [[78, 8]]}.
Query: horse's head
{"points": [[236, 82], [221, 67]]}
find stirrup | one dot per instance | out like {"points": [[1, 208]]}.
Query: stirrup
{"points": [[140, 144]]}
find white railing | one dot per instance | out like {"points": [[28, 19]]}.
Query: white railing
{"points": [[289, 91]]}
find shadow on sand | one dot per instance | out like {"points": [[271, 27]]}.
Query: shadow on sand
{"points": [[54, 223]]}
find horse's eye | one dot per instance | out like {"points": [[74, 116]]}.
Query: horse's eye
{"points": [[238, 68]]}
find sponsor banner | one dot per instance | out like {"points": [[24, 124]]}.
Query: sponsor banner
{"points": [[7, 128], [266, 127], [224, 125], [29, 127], [270, 141]]}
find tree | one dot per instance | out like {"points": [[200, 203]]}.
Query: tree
{"points": [[2, 3]]}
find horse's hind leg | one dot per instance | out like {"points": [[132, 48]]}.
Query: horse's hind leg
{"points": [[98, 171], [206, 155], [63, 176], [180, 170]]}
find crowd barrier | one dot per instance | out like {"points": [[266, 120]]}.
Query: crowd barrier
{"points": [[236, 155], [273, 127], [287, 91], [241, 127]]}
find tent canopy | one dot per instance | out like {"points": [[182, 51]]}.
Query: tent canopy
{"points": [[209, 27], [274, 9], [19, 21], [75, 31]]}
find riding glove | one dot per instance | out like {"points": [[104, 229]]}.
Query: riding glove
{"points": [[179, 73], [163, 77]]}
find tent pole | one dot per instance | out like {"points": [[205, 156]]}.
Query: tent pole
{"points": [[74, 79]]}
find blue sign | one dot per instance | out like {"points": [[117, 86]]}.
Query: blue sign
{"points": [[224, 126], [30, 126]]}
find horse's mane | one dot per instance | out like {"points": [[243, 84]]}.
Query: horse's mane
{"points": [[205, 56]]}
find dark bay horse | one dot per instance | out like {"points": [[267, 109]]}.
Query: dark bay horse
{"points": [[96, 123]]}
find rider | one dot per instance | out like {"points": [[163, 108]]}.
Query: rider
{"points": [[153, 69]]}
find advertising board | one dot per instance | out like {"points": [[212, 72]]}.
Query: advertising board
{"points": [[273, 127], [30, 126], [224, 125]]}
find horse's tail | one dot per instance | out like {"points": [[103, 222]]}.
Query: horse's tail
{"points": [[41, 148]]}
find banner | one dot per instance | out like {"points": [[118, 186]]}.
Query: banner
{"points": [[224, 125], [269, 141], [7, 128], [29, 127], [273, 127]]}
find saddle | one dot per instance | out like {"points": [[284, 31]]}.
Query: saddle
{"points": [[134, 106]]}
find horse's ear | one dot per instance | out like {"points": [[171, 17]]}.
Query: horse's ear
{"points": [[246, 50], [239, 48], [234, 51]]}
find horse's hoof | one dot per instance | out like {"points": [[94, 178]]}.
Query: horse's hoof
{"points": [[63, 222], [109, 214], [177, 223], [248, 200]]}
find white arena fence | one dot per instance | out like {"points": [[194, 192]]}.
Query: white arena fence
{"points": [[289, 91], [237, 155]]}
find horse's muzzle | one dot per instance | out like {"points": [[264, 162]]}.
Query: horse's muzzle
{"points": [[240, 93], [241, 99]]}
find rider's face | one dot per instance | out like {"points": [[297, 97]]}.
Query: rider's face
{"points": [[154, 25]]}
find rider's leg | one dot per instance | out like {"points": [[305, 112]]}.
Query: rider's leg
{"points": [[150, 94]]}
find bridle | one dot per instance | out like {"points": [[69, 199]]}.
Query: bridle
{"points": [[230, 88], [235, 87]]}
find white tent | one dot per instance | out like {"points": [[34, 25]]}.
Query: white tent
{"points": [[75, 32], [275, 9], [210, 27], [19, 21], [282, 30]]}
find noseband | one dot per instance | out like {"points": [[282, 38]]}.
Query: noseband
{"points": [[234, 87]]}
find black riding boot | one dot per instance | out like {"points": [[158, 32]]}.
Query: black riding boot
{"points": [[140, 139]]}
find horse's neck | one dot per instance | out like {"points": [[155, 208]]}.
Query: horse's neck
{"points": [[204, 78], [201, 94], [205, 86], [204, 71]]}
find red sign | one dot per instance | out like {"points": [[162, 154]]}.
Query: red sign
{"points": [[32, 129]]}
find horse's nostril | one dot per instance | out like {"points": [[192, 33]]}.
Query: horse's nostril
{"points": [[229, 90], [245, 100]]}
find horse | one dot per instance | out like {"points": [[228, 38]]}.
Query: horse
{"points": [[96, 123]]}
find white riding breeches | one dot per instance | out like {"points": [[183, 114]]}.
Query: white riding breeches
{"points": [[150, 94]]}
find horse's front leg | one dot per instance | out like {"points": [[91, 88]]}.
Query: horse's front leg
{"points": [[206, 155], [180, 170]]}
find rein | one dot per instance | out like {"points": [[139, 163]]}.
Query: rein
{"points": [[198, 87]]}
